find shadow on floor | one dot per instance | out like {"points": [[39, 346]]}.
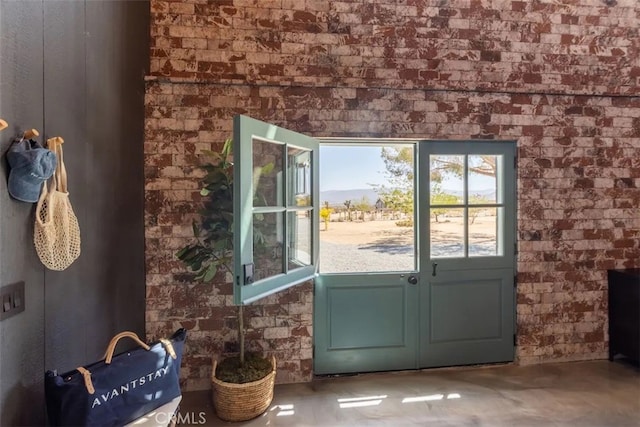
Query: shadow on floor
{"points": [[592, 393]]}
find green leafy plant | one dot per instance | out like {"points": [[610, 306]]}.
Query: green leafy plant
{"points": [[325, 214], [347, 204], [439, 197], [212, 251], [363, 206]]}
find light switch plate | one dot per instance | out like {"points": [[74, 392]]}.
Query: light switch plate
{"points": [[12, 297]]}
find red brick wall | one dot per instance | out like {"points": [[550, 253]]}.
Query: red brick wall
{"points": [[561, 79]]}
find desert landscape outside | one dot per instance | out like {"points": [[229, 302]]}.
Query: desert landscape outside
{"points": [[383, 246], [368, 204]]}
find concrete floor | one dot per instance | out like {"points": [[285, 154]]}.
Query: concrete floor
{"points": [[594, 393]]}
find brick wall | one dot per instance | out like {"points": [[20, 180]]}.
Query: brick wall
{"points": [[561, 78]]}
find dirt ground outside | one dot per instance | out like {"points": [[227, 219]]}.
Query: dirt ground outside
{"points": [[368, 232], [382, 245]]}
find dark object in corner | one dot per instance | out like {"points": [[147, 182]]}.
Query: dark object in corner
{"points": [[624, 313]]}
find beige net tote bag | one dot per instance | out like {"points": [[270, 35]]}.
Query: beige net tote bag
{"points": [[56, 232]]}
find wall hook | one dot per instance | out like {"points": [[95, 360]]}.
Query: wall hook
{"points": [[31, 133], [3, 124], [56, 140]]}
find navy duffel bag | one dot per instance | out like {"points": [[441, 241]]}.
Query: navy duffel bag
{"points": [[118, 389]]}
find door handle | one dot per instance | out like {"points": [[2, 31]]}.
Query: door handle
{"points": [[413, 280], [433, 273]]}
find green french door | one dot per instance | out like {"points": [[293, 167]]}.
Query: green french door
{"points": [[467, 307], [424, 276]]}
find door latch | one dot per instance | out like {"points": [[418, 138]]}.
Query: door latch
{"points": [[433, 273]]}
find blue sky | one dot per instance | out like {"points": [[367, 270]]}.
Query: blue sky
{"points": [[348, 167]]}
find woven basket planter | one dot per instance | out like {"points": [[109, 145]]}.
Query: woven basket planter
{"points": [[241, 402]]}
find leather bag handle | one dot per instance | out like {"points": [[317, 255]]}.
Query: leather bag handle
{"points": [[60, 175], [108, 355], [87, 379]]}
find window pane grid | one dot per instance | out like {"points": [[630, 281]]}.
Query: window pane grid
{"points": [[474, 218], [290, 247]]}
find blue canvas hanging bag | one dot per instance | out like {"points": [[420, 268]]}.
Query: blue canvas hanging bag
{"points": [[118, 389]]}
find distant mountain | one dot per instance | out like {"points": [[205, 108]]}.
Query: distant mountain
{"points": [[488, 193], [338, 197]]}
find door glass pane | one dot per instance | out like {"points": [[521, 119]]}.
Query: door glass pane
{"points": [[299, 187], [447, 179], [483, 231], [267, 173], [299, 238], [268, 244], [447, 232], [482, 179], [367, 209]]}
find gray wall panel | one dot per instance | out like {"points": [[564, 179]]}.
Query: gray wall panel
{"points": [[116, 128], [64, 96], [22, 336], [73, 69]]}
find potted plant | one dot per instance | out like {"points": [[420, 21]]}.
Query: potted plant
{"points": [[243, 384]]}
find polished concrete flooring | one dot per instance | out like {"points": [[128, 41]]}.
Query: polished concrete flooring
{"points": [[594, 393]]}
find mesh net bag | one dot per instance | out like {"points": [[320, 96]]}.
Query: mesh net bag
{"points": [[56, 231]]}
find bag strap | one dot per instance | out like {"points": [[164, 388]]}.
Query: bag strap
{"points": [[169, 348], [46, 218], [60, 175], [108, 355], [87, 379]]}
